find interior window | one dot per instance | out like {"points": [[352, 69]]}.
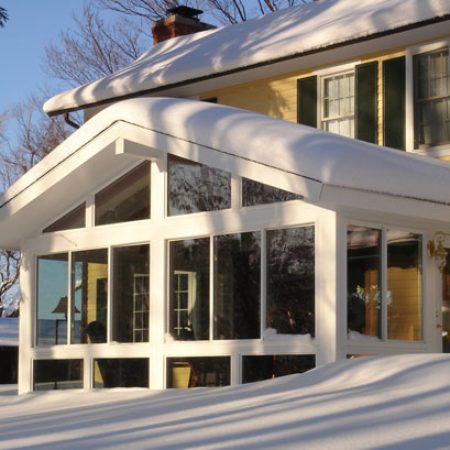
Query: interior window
{"points": [[195, 187], [70, 221], [126, 199]]}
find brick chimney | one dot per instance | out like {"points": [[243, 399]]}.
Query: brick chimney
{"points": [[180, 20]]}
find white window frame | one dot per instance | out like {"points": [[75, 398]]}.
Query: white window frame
{"points": [[383, 345], [438, 151]]}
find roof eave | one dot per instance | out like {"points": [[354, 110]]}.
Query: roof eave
{"points": [[195, 80]]}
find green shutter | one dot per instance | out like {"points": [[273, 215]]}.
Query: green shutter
{"points": [[394, 102], [307, 101], [366, 89]]}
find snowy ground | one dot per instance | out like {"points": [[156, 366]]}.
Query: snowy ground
{"points": [[390, 403]]}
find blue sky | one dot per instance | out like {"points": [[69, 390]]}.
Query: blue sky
{"points": [[32, 25]]}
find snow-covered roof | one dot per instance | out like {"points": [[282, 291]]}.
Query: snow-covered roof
{"points": [[9, 332], [304, 160], [274, 37]]}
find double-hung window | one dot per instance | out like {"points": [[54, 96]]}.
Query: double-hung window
{"points": [[338, 104], [432, 97]]}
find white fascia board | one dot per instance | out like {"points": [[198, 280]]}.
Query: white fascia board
{"points": [[386, 209]]}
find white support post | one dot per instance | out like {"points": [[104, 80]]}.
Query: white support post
{"points": [[327, 272], [27, 324]]}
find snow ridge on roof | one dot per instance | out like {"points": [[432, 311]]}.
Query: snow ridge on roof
{"points": [[304, 151], [271, 37]]}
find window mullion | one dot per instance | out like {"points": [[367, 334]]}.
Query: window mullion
{"points": [[70, 300], [384, 286], [263, 288], [212, 283]]}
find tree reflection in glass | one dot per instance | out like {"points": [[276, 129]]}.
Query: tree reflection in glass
{"points": [[237, 286], [195, 187], [290, 280], [189, 289], [254, 193], [52, 288]]}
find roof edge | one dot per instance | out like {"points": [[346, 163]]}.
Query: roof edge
{"points": [[236, 70]]}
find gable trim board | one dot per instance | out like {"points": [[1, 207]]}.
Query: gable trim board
{"points": [[300, 159], [165, 67]]}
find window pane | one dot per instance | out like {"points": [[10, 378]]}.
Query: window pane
{"points": [[237, 286], [124, 372], [257, 368], [57, 374], [433, 97], [72, 220], [90, 292], [198, 372], [338, 104], [404, 283], [126, 199], [254, 193], [195, 187], [131, 294], [52, 289], [364, 281], [189, 289], [290, 280]]}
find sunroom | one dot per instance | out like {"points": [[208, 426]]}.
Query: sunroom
{"points": [[174, 243]]}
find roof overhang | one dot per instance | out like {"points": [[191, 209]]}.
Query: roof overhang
{"points": [[308, 36], [327, 170]]}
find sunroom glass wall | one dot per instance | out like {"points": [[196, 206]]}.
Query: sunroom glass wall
{"points": [[90, 293]]}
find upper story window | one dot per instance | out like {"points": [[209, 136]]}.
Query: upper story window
{"points": [[194, 187], [338, 104], [432, 98]]}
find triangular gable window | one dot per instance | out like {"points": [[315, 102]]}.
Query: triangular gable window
{"points": [[126, 199], [254, 193], [70, 221], [194, 187]]}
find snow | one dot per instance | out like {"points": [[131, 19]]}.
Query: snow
{"points": [[9, 331], [315, 156], [278, 35], [395, 402]]}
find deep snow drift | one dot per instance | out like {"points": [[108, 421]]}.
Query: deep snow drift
{"points": [[396, 402]]}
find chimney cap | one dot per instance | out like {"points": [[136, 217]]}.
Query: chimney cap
{"points": [[185, 11]]}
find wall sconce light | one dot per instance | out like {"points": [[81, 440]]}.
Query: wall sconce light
{"points": [[437, 250]]}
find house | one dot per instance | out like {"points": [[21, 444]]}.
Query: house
{"points": [[172, 242]]}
